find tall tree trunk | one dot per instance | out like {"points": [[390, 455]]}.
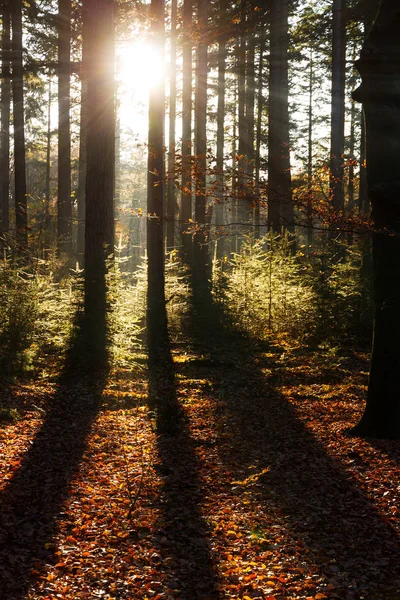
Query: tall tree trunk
{"points": [[64, 219], [99, 62], [5, 118], [379, 67], [186, 194], [157, 329], [48, 167], [241, 202], [171, 189], [82, 170], [310, 156], [363, 200], [280, 206], [338, 104], [257, 160], [219, 179], [21, 213], [200, 238], [250, 126]]}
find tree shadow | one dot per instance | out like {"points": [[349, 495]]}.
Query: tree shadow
{"points": [[342, 533], [183, 537], [33, 499]]}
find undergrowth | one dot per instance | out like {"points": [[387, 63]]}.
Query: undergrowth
{"points": [[267, 288]]}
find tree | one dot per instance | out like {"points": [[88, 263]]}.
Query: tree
{"points": [[379, 67], [5, 118], [337, 110], [21, 213], [186, 190], [157, 328], [98, 24], [280, 207], [171, 190], [200, 242], [64, 220]]}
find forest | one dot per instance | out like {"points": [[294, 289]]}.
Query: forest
{"points": [[199, 271]]}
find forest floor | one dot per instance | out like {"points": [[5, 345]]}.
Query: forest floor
{"points": [[259, 493]]}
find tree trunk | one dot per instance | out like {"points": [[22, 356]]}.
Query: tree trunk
{"points": [[219, 179], [48, 168], [250, 126], [200, 275], [21, 213], [310, 156], [363, 200], [99, 61], [257, 162], [241, 202], [157, 328], [337, 111], [186, 194], [171, 190], [64, 218], [379, 67], [82, 171], [5, 119], [280, 206]]}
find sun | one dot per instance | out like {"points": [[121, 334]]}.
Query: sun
{"points": [[139, 67]]}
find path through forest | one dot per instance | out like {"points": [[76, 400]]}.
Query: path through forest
{"points": [[258, 495]]}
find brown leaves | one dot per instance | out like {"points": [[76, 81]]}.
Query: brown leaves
{"points": [[261, 489]]}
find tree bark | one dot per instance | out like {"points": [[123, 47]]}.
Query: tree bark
{"points": [[48, 167], [379, 67], [280, 206], [310, 156], [200, 276], [257, 161], [64, 217], [337, 110], [82, 170], [219, 179], [186, 193], [171, 189], [21, 213], [157, 328], [100, 147], [241, 202], [5, 118]]}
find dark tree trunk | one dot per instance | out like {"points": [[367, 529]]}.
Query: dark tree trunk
{"points": [[5, 118], [250, 124], [257, 160], [186, 194], [100, 147], [337, 111], [363, 200], [157, 328], [21, 213], [64, 218], [200, 276], [379, 67], [219, 179], [48, 167], [82, 171], [171, 189], [280, 206], [310, 156], [241, 202]]}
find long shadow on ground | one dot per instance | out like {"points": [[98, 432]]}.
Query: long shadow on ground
{"points": [[183, 538], [342, 534], [33, 499]]}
